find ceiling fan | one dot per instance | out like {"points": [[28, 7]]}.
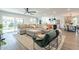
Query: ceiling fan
{"points": [[27, 11]]}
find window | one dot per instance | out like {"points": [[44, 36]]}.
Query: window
{"points": [[11, 23]]}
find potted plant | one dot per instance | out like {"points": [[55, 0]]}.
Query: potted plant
{"points": [[2, 42], [1, 26]]}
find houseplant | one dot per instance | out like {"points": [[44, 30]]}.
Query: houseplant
{"points": [[2, 42]]}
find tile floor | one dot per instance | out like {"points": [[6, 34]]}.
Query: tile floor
{"points": [[12, 43], [71, 41]]}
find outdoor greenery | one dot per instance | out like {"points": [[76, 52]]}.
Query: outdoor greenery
{"points": [[1, 26], [2, 42], [11, 25]]}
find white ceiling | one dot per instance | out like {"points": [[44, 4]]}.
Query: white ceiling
{"points": [[48, 12]]}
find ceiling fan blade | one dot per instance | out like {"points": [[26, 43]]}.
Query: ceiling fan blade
{"points": [[33, 11], [25, 13], [26, 9], [29, 12]]}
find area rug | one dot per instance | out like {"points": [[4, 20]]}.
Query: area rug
{"points": [[28, 42], [25, 40]]}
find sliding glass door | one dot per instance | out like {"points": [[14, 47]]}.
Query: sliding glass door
{"points": [[10, 24]]}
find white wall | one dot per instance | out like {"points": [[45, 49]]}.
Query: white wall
{"points": [[78, 20], [62, 21], [28, 20]]}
